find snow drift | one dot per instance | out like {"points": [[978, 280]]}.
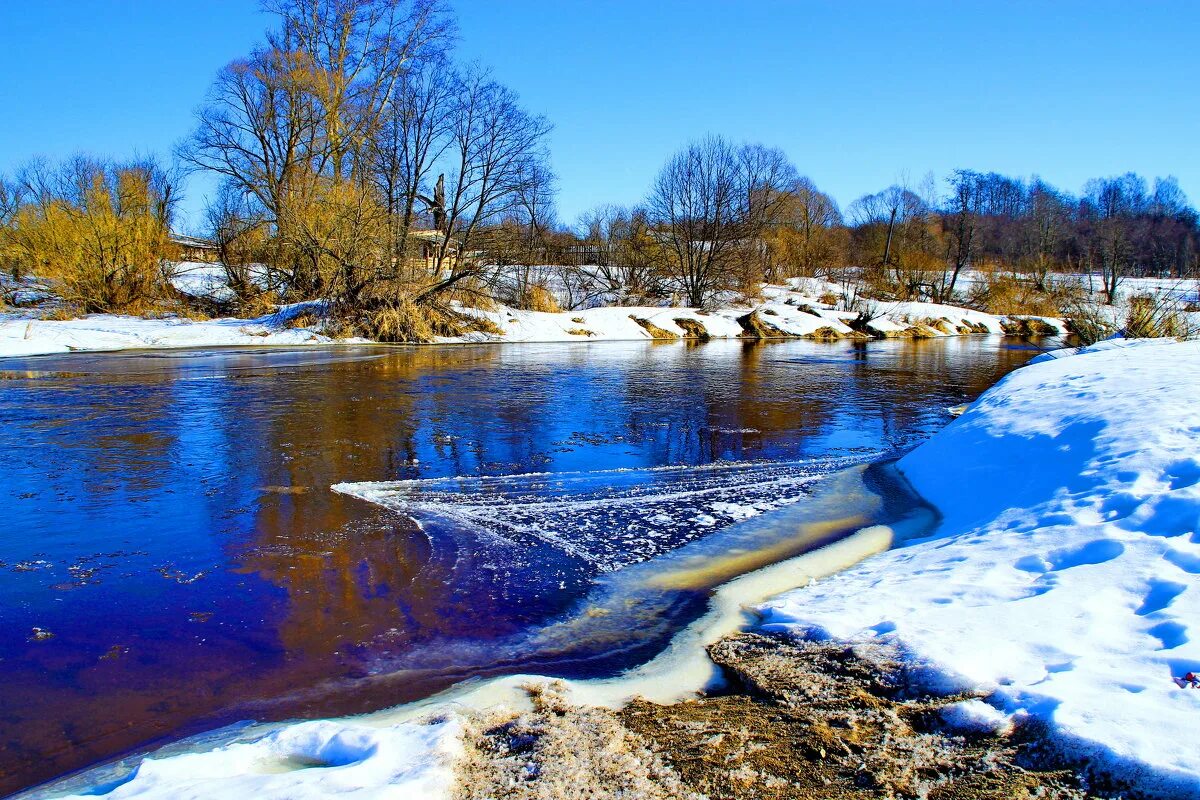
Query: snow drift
{"points": [[1063, 578]]}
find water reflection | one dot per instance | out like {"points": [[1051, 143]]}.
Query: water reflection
{"points": [[168, 517]]}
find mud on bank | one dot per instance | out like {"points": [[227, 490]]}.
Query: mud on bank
{"points": [[798, 720]]}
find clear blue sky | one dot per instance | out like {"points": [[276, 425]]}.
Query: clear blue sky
{"points": [[858, 94]]}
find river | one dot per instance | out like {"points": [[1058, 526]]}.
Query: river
{"points": [[173, 557]]}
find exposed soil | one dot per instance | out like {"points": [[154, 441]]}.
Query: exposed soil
{"points": [[799, 720]]}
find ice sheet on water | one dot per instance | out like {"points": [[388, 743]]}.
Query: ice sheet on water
{"points": [[611, 518]]}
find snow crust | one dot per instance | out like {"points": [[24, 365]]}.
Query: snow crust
{"points": [[1062, 581]]}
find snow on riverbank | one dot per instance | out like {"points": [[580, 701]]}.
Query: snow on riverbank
{"points": [[26, 336], [791, 310], [784, 311], [1063, 579]]}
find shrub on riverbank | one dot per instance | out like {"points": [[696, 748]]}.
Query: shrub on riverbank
{"points": [[96, 231]]}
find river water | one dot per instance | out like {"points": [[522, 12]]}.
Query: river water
{"points": [[173, 556]]}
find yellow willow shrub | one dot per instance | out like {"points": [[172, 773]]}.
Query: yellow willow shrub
{"points": [[99, 236], [337, 236]]}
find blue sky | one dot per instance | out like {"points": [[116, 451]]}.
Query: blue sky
{"points": [[858, 94]]}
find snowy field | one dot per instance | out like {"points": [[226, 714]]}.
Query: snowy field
{"points": [[1063, 584]]}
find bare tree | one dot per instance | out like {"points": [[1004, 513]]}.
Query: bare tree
{"points": [[966, 203], [495, 154], [412, 137], [355, 54], [809, 238], [238, 227], [710, 204], [623, 252], [259, 128], [1111, 206], [1045, 228], [896, 240]]}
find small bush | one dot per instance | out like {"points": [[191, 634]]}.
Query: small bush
{"points": [[541, 299], [1000, 293], [305, 319], [259, 304], [62, 313], [98, 231], [1152, 317], [405, 322]]}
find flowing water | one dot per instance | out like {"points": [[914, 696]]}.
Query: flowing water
{"points": [[190, 538]]}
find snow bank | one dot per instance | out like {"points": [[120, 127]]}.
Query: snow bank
{"points": [[1113, 343], [28, 337], [1063, 578], [793, 309], [790, 310], [317, 759]]}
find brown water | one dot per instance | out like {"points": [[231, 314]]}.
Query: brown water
{"points": [[167, 522]]}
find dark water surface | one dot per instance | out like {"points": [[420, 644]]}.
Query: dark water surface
{"points": [[172, 557]]}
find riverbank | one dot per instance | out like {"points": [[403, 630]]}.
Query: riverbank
{"points": [[784, 312]]}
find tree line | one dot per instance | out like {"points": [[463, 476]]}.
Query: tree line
{"points": [[361, 164]]}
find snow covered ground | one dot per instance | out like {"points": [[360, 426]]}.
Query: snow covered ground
{"points": [[28, 336], [785, 311], [1062, 581], [790, 310]]}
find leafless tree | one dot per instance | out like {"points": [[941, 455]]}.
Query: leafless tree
{"points": [[964, 212], [1111, 205], [355, 54], [710, 203], [494, 156], [1045, 227], [238, 227], [411, 139], [259, 128]]}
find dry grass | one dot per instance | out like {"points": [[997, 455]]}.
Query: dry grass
{"points": [[829, 299], [581, 332], [756, 327], [408, 323], [541, 299], [693, 328], [1151, 316], [305, 319], [558, 752], [654, 331], [818, 721], [61, 313], [1002, 293], [258, 305]]}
